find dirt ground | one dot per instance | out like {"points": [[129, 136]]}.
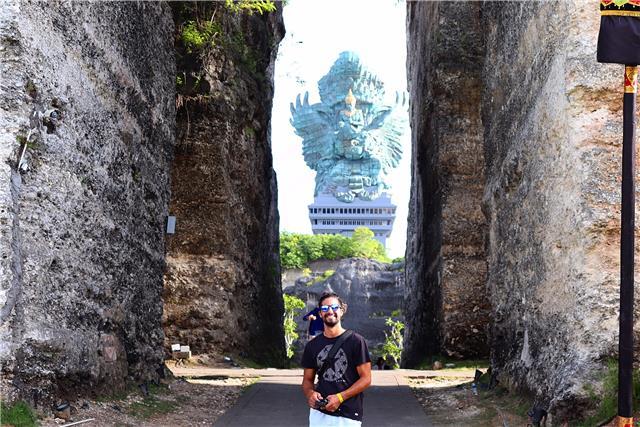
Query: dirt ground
{"points": [[446, 396], [450, 401], [178, 401]]}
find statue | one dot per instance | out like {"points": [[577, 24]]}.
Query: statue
{"points": [[351, 138]]}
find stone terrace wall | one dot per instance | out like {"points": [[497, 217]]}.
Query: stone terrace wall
{"points": [[222, 286], [89, 89], [447, 307]]}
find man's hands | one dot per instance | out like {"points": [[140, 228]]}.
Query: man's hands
{"points": [[333, 404], [313, 398], [312, 317]]}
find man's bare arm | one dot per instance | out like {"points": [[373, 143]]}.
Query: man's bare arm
{"points": [[308, 379], [358, 387]]}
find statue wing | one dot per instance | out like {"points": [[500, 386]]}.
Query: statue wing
{"points": [[387, 127], [310, 123]]}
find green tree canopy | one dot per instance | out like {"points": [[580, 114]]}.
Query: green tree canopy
{"points": [[297, 250]]}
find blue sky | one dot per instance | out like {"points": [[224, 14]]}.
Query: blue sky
{"points": [[317, 31]]}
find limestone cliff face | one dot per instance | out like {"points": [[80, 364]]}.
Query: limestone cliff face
{"points": [[222, 286], [552, 137], [86, 132], [551, 131], [447, 306]]}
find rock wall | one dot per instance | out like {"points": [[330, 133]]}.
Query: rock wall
{"points": [[222, 286], [551, 131], [552, 137], [447, 306], [371, 289], [317, 267], [87, 127]]}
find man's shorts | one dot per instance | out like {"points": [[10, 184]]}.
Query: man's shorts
{"points": [[318, 419]]}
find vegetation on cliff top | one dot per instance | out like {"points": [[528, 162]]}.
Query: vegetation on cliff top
{"points": [[250, 6], [203, 26], [297, 250]]}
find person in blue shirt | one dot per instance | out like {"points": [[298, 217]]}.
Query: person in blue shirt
{"points": [[316, 325]]}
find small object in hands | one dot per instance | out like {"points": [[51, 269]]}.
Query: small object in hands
{"points": [[320, 404], [474, 388]]}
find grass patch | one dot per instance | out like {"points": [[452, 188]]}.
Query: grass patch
{"points": [[606, 399], [455, 404], [459, 365], [247, 363], [18, 415], [157, 389], [117, 396], [324, 276], [151, 406]]}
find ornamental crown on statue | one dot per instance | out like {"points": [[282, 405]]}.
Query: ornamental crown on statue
{"points": [[352, 137]]}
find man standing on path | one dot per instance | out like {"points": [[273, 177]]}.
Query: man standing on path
{"points": [[337, 399]]}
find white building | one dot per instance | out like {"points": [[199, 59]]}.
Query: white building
{"points": [[330, 216]]}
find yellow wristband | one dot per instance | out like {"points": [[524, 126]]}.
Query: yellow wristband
{"points": [[340, 398]]}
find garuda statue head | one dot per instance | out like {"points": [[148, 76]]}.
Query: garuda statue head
{"points": [[351, 138]]}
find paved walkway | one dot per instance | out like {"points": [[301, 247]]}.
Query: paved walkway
{"points": [[277, 400]]}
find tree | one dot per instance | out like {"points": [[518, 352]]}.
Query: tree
{"points": [[311, 246], [292, 307], [291, 253], [366, 246], [336, 246], [393, 341], [297, 250]]}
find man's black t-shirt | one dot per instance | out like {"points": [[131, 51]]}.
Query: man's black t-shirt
{"points": [[342, 373]]}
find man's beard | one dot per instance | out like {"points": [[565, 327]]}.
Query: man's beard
{"points": [[330, 321]]}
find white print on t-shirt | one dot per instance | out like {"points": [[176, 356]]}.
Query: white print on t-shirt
{"points": [[335, 373]]}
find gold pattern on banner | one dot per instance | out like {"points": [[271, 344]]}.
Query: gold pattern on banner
{"points": [[625, 422], [630, 78], [635, 13]]}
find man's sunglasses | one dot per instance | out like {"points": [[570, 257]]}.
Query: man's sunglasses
{"points": [[325, 308]]}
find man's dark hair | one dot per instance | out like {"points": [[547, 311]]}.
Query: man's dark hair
{"points": [[326, 295]]}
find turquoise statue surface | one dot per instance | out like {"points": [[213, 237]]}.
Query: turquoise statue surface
{"points": [[352, 137]]}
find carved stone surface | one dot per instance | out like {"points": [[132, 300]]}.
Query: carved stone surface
{"points": [[447, 305], [552, 134], [222, 286], [87, 110], [551, 131]]}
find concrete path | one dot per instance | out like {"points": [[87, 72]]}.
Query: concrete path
{"points": [[277, 400]]}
